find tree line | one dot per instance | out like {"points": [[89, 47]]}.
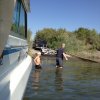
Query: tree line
{"points": [[78, 40]]}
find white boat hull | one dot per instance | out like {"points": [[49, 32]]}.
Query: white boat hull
{"points": [[12, 86], [15, 69], [15, 63]]}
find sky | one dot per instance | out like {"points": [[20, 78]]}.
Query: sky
{"points": [[67, 14]]}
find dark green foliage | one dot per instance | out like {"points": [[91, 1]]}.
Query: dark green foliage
{"points": [[81, 39], [90, 37], [52, 36], [73, 44]]}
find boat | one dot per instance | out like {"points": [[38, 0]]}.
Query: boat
{"points": [[15, 63]]}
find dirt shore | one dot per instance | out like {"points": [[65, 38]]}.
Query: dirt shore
{"points": [[93, 56], [32, 52]]}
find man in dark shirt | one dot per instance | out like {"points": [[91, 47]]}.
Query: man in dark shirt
{"points": [[59, 56]]}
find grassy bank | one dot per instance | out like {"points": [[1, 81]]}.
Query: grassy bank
{"points": [[89, 55], [32, 52]]}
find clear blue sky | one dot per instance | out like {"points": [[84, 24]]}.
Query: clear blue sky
{"points": [[68, 14]]}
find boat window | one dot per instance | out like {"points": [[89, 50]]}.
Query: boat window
{"points": [[22, 21], [18, 22]]}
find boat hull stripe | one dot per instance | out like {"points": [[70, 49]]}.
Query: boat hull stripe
{"points": [[9, 51]]}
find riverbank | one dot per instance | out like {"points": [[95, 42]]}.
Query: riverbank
{"points": [[89, 55], [32, 52], [93, 56]]}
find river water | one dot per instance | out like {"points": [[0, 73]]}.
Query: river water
{"points": [[78, 80]]}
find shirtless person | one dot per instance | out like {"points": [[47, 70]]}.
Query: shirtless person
{"points": [[37, 61]]}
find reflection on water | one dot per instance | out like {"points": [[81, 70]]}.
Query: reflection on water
{"points": [[36, 80], [58, 79], [78, 80]]}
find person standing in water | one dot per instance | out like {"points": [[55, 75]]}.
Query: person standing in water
{"points": [[60, 55], [37, 61]]}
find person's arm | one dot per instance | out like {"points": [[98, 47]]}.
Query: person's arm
{"points": [[65, 56], [35, 60]]}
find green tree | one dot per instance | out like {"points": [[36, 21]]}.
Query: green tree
{"points": [[81, 39], [89, 37], [52, 36], [73, 45]]}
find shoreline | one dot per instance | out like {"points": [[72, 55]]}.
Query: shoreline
{"points": [[90, 56], [93, 57]]}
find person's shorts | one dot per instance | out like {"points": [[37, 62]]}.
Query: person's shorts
{"points": [[38, 67], [59, 62]]}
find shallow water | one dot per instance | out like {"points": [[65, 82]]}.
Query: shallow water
{"points": [[78, 80]]}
